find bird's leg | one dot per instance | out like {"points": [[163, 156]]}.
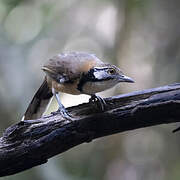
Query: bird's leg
{"points": [[101, 101], [62, 110]]}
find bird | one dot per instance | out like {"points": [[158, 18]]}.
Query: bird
{"points": [[73, 73]]}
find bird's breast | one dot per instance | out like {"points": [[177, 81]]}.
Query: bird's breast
{"points": [[69, 88], [92, 87]]}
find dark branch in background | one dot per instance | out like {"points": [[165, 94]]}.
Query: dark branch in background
{"points": [[31, 143]]}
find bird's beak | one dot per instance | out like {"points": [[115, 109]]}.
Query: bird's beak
{"points": [[124, 78]]}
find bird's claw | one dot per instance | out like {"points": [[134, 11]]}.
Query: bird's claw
{"points": [[64, 113], [101, 102]]}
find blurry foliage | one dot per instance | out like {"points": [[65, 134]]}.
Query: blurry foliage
{"points": [[133, 4], [12, 3], [141, 36]]}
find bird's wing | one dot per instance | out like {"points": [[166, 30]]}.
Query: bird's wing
{"points": [[59, 77], [68, 67], [39, 102]]}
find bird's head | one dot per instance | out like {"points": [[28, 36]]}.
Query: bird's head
{"points": [[108, 72], [101, 77]]}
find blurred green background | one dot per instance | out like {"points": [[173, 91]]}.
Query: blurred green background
{"points": [[140, 36]]}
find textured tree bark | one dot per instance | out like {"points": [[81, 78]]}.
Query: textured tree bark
{"points": [[31, 143]]}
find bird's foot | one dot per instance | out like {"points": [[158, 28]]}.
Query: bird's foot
{"points": [[64, 113], [97, 99]]}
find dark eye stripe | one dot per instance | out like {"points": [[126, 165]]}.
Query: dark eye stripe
{"points": [[100, 69], [104, 69], [89, 77]]}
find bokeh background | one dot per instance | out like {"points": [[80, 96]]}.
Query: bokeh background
{"points": [[140, 36]]}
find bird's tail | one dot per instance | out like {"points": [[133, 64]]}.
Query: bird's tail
{"points": [[39, 102]]}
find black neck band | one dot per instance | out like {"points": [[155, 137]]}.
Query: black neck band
{"points": [[85, 78], [89, 77]]}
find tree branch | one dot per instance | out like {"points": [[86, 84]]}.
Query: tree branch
{"points": [[31, 143]]}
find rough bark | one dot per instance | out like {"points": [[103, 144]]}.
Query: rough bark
{"points": [[31, 143]]}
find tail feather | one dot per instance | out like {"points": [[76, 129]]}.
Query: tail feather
{"points": [[39, 102]]}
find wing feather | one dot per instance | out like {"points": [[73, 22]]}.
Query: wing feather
{"points": [[39, 102]]}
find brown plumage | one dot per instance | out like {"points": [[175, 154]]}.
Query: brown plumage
{"points": [[73, 73], [68, 67]]}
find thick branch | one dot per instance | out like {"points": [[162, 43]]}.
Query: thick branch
{"points": [[31, 143]]}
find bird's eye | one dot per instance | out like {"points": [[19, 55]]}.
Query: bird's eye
{"points": [[111, 71]]}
